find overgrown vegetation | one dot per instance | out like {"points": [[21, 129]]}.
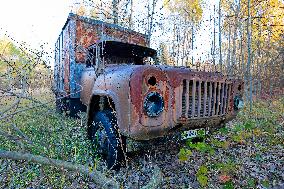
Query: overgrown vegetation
{"points": [[252, 141], [247, 153], [241, 154], [42, 131]]}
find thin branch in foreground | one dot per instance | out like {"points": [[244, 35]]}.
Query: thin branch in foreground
{"points": [[15, 103], [11, 137], [23, 135], [98, 177]]}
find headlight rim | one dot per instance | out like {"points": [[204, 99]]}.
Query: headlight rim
{"points": [[146, 99]]}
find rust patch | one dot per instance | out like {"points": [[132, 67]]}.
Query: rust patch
{"points": [[88, 34], [139, 78], [66, 59], [135, 91], [167, 96], [177, 75]]}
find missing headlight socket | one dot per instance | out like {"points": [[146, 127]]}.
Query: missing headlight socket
{"points": [[240, 87], [152, 81]]}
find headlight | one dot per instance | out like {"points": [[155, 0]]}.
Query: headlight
{"points": [[238, 103], [153, 104]]}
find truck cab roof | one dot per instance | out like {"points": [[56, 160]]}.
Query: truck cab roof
{"points": [[118, 52]]}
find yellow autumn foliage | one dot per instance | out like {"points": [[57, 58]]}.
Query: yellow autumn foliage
{"points": [[189, 9], [267, 17]]}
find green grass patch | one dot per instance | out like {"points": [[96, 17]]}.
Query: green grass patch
{"points": [[42, 131]]}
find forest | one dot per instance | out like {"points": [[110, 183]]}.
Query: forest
{"points": [[242, 39]]}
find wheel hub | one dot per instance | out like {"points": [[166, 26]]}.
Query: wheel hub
{"points": [[101, 141]]}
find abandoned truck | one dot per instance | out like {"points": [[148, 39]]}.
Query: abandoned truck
{"points": [[110, 72]]}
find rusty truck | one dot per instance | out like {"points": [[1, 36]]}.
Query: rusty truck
{"points": [[111, 73]]}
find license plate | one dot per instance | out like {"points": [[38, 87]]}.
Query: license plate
{"points": [[192, 133]]}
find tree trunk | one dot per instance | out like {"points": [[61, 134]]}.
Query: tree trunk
{"points": [[229, 51], [115, 11], [131, 15], [214, 43], [192, 37], [248, 71], [220, 39]]}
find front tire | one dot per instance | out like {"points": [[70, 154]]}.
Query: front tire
{"points": [[103, 133]]}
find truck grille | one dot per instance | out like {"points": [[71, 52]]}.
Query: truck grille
{"points": [[205, 98]]}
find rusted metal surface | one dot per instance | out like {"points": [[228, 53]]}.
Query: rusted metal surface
{"points": [[66, 57], [128, 87], [89, 32], [193, 113], [77, 35], [190, 99]]}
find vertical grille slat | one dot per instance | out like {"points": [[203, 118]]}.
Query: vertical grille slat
{"points": [[210, 98], [205, 99], [225, 99], [214, 98], [193, 98], [187, 98], [183, 97], [229, 95], [218, 98], [201, 98], [222, 99]]}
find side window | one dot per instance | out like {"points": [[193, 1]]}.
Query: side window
{"points": [[148, 61], [89, 62], [91, 58]]}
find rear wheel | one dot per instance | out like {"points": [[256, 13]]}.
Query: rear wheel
{"points": [[70, 106], [61, 104], [104, 136]]}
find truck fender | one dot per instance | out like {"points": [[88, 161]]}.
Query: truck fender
{"points": [[103, 99]]}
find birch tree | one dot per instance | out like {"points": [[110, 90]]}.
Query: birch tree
{"points": [[185, 17]]}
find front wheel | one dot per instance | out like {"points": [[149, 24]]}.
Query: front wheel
{"points": [[103, 133]]}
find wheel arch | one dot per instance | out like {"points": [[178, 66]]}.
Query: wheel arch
{"points": [[100, 102], [110, 99]]}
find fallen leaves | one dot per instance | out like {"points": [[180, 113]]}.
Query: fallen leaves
{"points": [[224, 178], [248, 152]]}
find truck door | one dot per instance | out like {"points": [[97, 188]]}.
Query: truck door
{"points": [[90, 73]]}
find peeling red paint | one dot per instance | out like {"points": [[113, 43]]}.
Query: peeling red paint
{"points": [[138, 77], [88, 34]]}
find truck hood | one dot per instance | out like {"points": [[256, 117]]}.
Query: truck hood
{"points": [[135, 78], [174, 75], [122, 68]]}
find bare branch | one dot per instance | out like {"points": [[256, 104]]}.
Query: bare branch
{"points": [[16, 102], [98, 177]]}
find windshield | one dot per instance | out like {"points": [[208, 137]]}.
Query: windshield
{"points": [[114, 52]]}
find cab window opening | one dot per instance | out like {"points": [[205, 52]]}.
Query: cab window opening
{"points": [[115, 52]]}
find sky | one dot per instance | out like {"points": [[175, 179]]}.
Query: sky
{"points": [[203, 36], [39, 22], [33, 21]]}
